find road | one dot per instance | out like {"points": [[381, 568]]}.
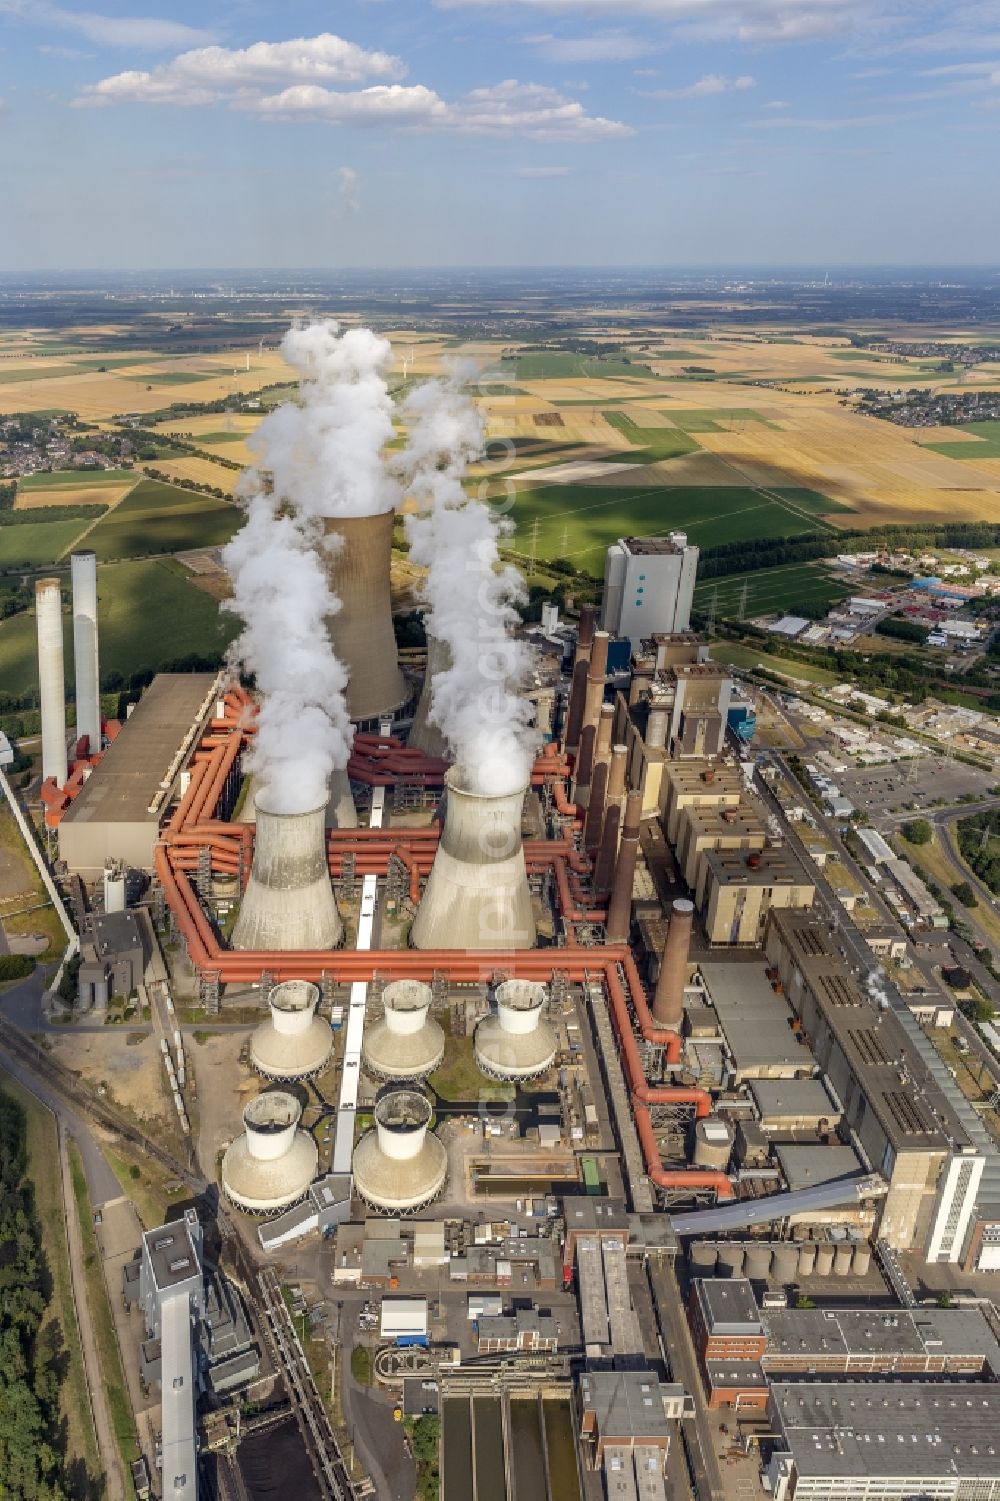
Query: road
{"points": [[102, 1185], [698, 1436]]}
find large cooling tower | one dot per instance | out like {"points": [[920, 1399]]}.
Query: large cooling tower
{"points": [[400, 1166], [424, 735], [516, 1043], [289, 901], [477, 894], [294, 1043], [86, 670], [51, 680], [361, 630], [406, 1042], [273, 1163]]}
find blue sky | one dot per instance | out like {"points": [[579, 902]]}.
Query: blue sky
{"points": [[530, 132]]}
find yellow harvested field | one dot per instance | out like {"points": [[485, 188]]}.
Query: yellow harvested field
{"points": [[198, 471], [85, 495]]}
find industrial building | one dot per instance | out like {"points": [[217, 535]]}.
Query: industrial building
{"points": [[887, 1441], [122, 805], [648, 586], [112, 958], [740, 890], [626, 1410]]}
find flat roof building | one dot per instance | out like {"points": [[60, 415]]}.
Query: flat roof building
{"points": [[648, 586], [740, 891], [702, 829], [878, 1341], [696, 784], [626, 1409], [794, 1104], [755, 1022]]}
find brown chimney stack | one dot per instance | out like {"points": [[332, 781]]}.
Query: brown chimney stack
{"points": [[668, 1003], [620, 906]]}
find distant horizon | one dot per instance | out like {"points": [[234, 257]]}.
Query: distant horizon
{"points": [[692, 269]]}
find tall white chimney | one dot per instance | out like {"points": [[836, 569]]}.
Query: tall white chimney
{"points": [[86, 668], [51, 678]]}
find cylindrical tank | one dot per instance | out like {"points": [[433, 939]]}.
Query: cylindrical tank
{"points": [[51, 678], [86, 669], [477, 894], [824, 1259], [806, 1259], [620, 907], [294, 1043], [713, 1142], [424, 734], [271, 1165], [842, 1259], [516, 1043], [114, 888], [401, 1165], [862, 1259], [785, 1263], [362, 631], [405, 1042], [668, 1002], [703, 1258], [757, 1265], [731, 1258], [289, 901]]}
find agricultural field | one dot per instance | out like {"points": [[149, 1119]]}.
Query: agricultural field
{"points": [[158, 518], [35, 544], [769, 591], [737, 655], [149, 613], [74, 487], [198, 471]]}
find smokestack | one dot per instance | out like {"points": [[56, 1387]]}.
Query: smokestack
{"points": [[477, 894], [605, 726], [424, 735], [616, 776], [595, 807], [604, 869], [620, 906], [668, 1003], [585, 633], [361, 631], [596, 676], [86, 672], [51, 678], [574, 709], [656, 726], [584, 766], [289, 901]]}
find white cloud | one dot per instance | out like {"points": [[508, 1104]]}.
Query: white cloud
{"points": [[348, 183], [776, 104], [602, 47], [711, 83], [542, 172], [207, 74], [147, 33]]}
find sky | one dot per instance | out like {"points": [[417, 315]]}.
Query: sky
{"points": [[417, 133]]}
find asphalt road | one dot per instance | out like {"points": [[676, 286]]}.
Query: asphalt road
{"points": [[102, 1184]]}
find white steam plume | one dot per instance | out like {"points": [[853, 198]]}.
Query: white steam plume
{"points": [[471, 597]]}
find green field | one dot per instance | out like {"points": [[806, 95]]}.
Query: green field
{"points": [[216, 438], [579, 522], [148, 613], [770, 590], [13, 375], [171, 378], [735, 655], [713, 419], [38, 542], [76, 479], [158, 518], [549, 366], [651, 443], [987, 445]]}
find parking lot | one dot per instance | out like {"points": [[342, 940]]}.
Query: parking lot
{"points": [[912, 786]]}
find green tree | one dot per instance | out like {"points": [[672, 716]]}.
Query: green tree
{"points": [[918, 831], [965, 894]]}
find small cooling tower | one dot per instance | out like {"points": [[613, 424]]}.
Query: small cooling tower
{"points": [[400, 1166], [361, 631], [289, 901], [273, 1163], [406, 1042], [294, 1043], [424, 735], [477, 894], [516, 1043]]}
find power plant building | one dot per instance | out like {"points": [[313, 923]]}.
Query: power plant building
{"points": [[123, 803], [740, 890], [648, 586]]}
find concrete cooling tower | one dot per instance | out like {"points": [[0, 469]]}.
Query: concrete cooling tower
{"points": [[289, 901], [361, 630], [423, 735], [406, 1043], [516, 1043], [294, 1043], [273, 1163], [400, 1166], [477, 894]]}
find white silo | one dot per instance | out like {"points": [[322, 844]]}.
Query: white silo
{"points": [[516, 1043], [289, 901], [273, 1163], [477, 894], [86, 666], [51, 678], [294, 1043], [406, 1042], [400, 1166]]}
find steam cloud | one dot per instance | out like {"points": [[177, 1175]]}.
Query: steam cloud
{"points": [[477, 700], [324, 458]]}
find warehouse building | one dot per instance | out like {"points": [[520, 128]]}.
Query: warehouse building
{"points": [[876, 1341], [125, 799], [755, 1022], [702, 829], [696, 784]]}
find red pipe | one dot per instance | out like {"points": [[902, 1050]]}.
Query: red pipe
{"points": [[675, 1178]]}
